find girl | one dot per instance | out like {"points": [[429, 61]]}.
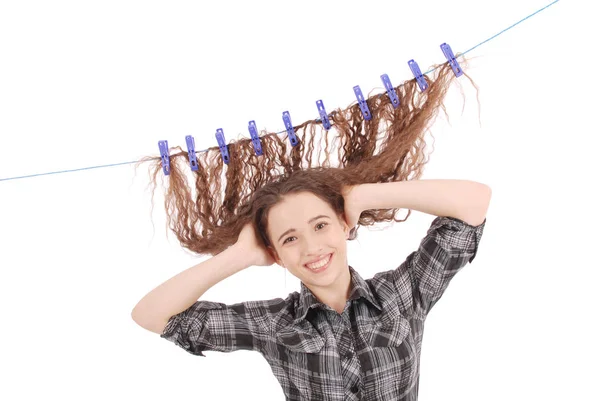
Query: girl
{"points": [[341, 337]]}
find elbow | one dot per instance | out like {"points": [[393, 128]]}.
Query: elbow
{"points": [[154, 325], [475, 210], [485, 199]]}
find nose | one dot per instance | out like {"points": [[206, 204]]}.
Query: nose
{"points": [[314, 246]]}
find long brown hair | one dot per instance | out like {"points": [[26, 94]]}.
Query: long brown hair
{"points": [[387, 148]]}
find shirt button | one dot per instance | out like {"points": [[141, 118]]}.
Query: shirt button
{"points": [[348, 355], [354, 389]]}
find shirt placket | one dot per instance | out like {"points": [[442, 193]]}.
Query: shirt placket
{"points": [[351, 370]]}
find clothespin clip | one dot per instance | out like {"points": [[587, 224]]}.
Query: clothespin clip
{"points": [[390, 90], [163, 146], [451, 59], [191, 146], [222, 145], [362, 103], [414, 67], [323, 114], [255, 138], [290, 129]]}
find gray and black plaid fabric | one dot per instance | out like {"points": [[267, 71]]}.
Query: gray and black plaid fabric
{"points": [[370, 352]]}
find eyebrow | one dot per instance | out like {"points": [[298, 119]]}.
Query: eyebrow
{"points": [[308, 222]]}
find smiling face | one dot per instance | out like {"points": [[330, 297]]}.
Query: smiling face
{"points": [[303, 228]]}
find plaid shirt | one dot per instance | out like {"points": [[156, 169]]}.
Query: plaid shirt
{"points": [[369, 352]]}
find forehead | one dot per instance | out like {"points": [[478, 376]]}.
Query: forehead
{"points": [[295, 210]]}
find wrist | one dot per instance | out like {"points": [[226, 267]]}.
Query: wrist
{"points": [[357, 197]]}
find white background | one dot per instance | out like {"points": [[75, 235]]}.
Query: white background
{"points": [[85, 84]]}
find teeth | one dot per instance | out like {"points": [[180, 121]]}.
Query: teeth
{"points": [[319, 264]]}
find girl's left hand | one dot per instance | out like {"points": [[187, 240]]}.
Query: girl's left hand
{"points": [[352, 208]]}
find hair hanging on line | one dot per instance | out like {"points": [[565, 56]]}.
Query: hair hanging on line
{"points": [[387, 148]]}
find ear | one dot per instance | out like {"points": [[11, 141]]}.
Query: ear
{"points": [[345, 225], [275, 256]]}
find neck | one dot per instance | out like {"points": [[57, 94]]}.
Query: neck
{"points": [[336, 295]]}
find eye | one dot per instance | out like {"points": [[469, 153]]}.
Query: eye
{"points": [[286, 240]]}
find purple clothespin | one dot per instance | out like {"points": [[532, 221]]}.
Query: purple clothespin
{"points": [[289, 128], [414, 67], [222, 145], [362, 103], [191, 146], [390, 90], [163, 147], [451, 59], [323, 114], [255, 138]]}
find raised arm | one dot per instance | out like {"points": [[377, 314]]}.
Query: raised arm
{"points": [[181, 291], [461, 199]]}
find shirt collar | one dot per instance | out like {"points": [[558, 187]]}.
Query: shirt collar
{"points": [[359, 288]]}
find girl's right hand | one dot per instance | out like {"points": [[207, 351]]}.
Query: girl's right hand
{"points": [[253, 247]]}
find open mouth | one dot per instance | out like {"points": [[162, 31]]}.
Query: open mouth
{"points": [[322, 268]]}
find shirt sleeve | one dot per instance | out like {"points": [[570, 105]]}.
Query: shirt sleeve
{"points": [[214, 326], [449, 244]]}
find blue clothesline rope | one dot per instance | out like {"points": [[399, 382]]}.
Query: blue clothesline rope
{"points": [[428, 72]]}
